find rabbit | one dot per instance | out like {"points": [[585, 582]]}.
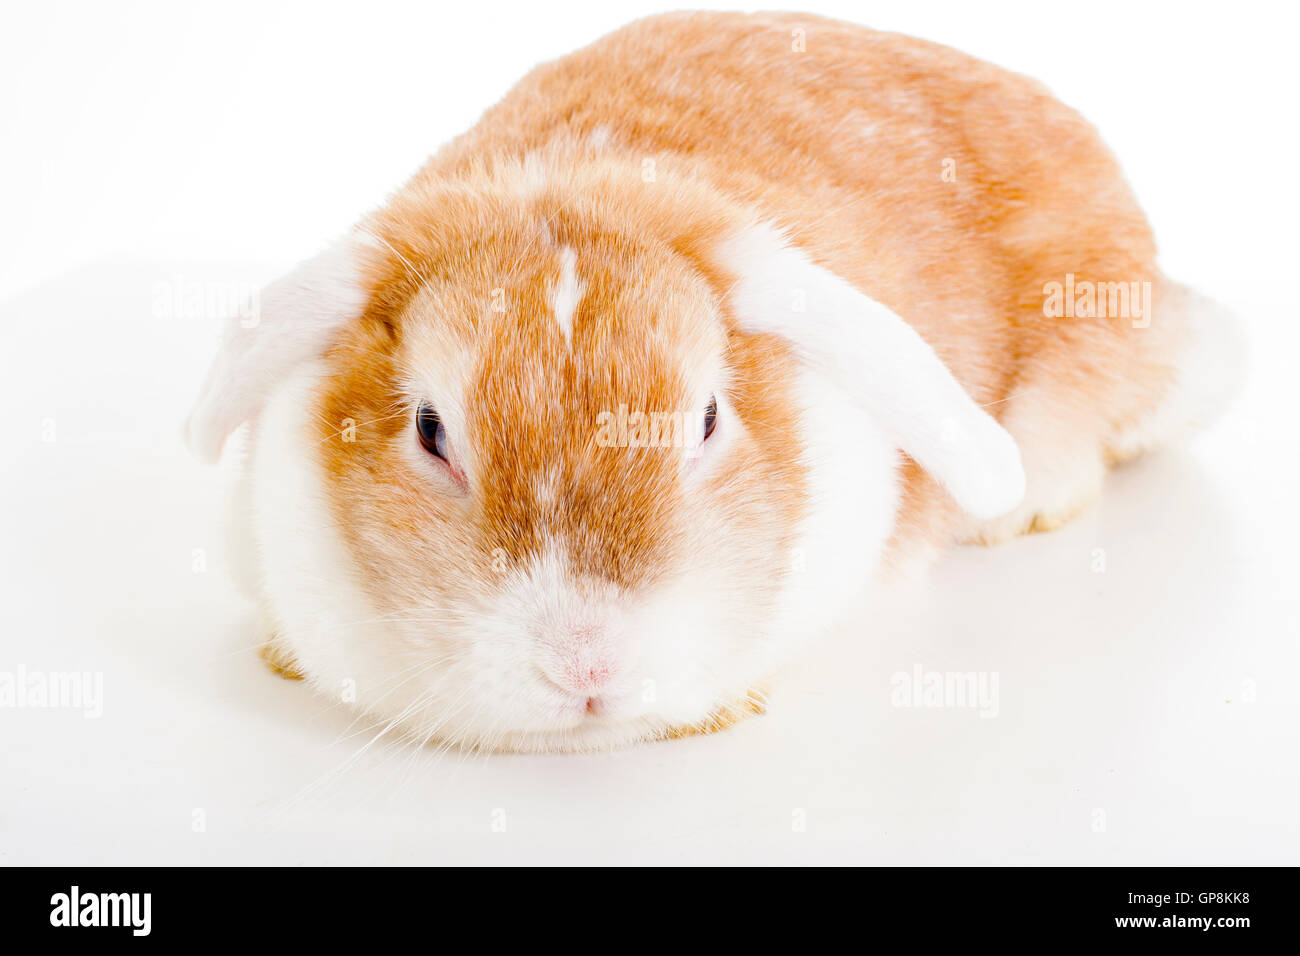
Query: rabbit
{"points": [[636, 387]]}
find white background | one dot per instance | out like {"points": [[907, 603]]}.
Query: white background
{"points": [[1148, 712]]}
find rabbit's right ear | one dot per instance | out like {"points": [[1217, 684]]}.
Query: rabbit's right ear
{"points": [[290, 321], [880, 361]]}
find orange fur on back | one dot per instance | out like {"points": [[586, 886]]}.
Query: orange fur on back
{"points": [[944, 187]]}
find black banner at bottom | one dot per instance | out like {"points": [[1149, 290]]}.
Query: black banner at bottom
{"points": [[1227, 906]]}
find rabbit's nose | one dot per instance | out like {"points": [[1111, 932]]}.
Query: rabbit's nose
{"points": [[586, 668], [582, 660]]}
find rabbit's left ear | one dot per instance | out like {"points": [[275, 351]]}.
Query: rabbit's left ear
{"points": [[881, 361], [290, 321]]}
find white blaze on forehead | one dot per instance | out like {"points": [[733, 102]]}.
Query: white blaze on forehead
{"points": [[566, 293]]}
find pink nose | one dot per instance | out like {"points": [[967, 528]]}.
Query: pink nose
{"points": [[585, 676], [584, 661]]}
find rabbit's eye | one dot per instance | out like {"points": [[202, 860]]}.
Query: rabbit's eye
{"points": [[710, 417], [433, 436]]}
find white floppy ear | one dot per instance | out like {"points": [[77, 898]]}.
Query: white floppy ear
{"points": [[880, 360], [290, 321]]}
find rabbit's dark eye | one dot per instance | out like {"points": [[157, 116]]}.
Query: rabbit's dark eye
{"points": [[710, 417], [433, 436]]}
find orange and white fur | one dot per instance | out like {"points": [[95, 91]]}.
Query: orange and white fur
{"points": [[841, 239]]}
